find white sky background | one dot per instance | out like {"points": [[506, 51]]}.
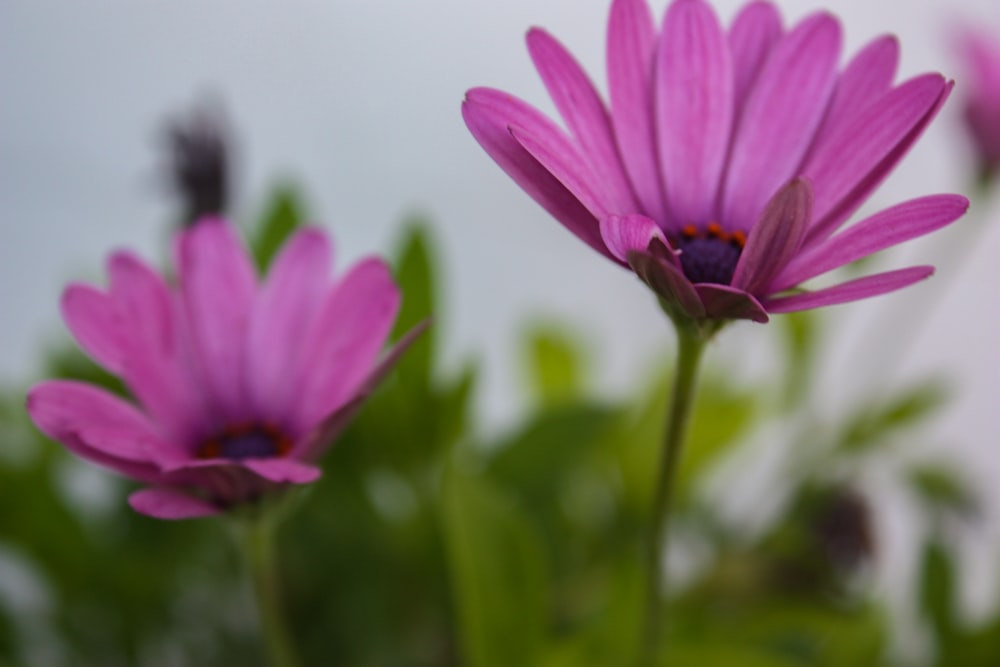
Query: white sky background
{"points": [[358, 102]]}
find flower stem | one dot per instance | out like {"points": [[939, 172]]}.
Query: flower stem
{"points": [[690, 344], [257, 542]]}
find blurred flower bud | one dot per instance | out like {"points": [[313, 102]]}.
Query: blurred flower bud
{"points": [[200, 162]]}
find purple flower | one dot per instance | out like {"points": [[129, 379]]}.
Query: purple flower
{"points": [[239, 385], [727, 161], [980, 54]]}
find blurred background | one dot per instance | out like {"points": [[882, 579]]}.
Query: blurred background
{"points": [[355, 104]]}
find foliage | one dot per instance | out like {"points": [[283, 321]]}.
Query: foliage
{"points": [[428, 543]]}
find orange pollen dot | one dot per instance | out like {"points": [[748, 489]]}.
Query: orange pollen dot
{"points": [[689, 231], [739, 237]]}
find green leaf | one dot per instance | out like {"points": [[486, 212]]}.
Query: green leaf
{"points": [[414, 262], [283, 215], [937, 590], [942, 489], [872, 425], [554, 365], [498, 574], [800, 332], [713, 655]]}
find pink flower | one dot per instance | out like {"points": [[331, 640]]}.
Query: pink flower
{"points": [[980, 54], [239, 385], [727, 160]]}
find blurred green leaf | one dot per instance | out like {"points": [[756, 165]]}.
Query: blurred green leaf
{"points": [[498, 574], [283, 214], [554, 365], [713, 655], [800, 332], [937, 590], [872, 425], [415, 264], [942, 489]]}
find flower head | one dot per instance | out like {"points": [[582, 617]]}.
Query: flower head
{"points": [[727, 159], [239, 384], [980, 53]]}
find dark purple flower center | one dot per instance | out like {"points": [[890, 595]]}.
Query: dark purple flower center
{"points": [[246, 441], [709, 255]]}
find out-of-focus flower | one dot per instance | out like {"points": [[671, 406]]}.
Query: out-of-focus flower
{"points": [[980, 54], [239, 385], [200, 163], [727, 160]]}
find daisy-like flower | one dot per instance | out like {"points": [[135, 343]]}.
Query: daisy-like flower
{"points": [[980, 53], [239, 384], [728, 160]]}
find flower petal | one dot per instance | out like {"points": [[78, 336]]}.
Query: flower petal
{"points": [[561, 159], [283, 471], [585, 115], [883, 230], [218, 285], [854, 161], [776, 237], [630, 57], [95, 324], [341, 348], [624, 234], [488, 114], [863, 82], [667, 280], [286, 307], [170, 504], [694, 109], [324, 434], [852, 290], [159, 367], [723, 302], [781, 116], [97, 426], [755, 31]]}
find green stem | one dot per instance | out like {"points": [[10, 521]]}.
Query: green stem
{"points": [[257, 542], [690, 344]]}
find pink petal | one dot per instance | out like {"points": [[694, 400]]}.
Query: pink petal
{"points": [[755, 31], [864, 81], [561, 159], [853, 290], [344, 342], [851, 164], [630, 233], [283, 471], [218, 285], [158, 367], [667, 281], [694, 106], [631, 47], [95, 324], [781, 116], [489, 114], [315, 443], [171, 504], [97, 426], [585, 115], [723, 302], [883, 230], [776, 237], [286, 307]]}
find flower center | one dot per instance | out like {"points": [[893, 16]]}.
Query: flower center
{"points": [[709, 255], [246, 441]]}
